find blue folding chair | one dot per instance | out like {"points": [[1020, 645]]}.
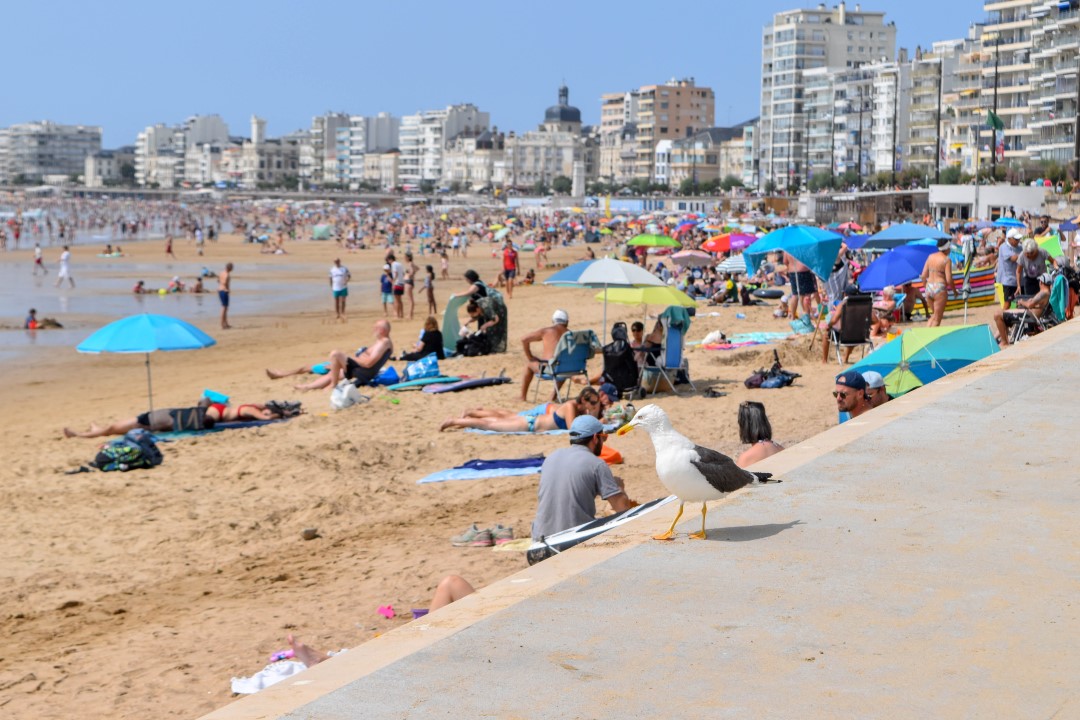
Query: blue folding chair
{"points": [[670, 361], [572, 353]]}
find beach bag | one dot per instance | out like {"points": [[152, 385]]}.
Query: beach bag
{"points": [[387, 376], [802, 325], [345, 395], [425, 367], [755, 380], [133, 451]]}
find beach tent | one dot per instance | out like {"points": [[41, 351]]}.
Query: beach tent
{"points": [[146, 333], [923, 354], [321, 232]]}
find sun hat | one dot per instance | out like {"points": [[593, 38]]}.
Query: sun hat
{"points": [[559, 317], [585, 426]]}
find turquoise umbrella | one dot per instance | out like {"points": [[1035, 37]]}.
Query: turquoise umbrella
{"points": [[146, 333], [812, 246]]}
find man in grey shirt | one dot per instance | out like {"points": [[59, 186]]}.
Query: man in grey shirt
{"points": [[570, 480], [1006, 265]]}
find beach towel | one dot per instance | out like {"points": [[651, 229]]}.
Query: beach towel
{"points": [[219, 427], [481, 469], [732, 345], [269, 675], [515, 432]]}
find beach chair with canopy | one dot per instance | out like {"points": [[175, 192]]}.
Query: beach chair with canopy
{"points": [[572, 354]]}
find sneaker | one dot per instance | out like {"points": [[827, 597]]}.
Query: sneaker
{"points": [[473, 537], [502, 534]]}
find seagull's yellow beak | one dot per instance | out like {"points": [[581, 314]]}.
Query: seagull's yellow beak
{"points": [[625, 428]]}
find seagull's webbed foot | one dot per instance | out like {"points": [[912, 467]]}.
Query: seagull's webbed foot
{"points": [[700, 535], [671, 530]]}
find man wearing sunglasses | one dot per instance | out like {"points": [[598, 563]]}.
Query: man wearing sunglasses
{"points": [[850, 394], [570, 480]]}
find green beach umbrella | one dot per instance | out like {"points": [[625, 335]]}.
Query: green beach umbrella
{"points": [[1051, 244], [922, 355], [653, 241]]}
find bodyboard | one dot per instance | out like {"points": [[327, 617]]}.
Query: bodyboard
{"points": [[414, 384], [465, 384], [569, 538]]}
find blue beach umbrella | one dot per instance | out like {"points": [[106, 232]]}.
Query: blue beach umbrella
{"points": [[1008, 222], [146, 333], [902, 234], [856, 241], [814, 247], [896, 267], [1068, 226], [955, 256]]}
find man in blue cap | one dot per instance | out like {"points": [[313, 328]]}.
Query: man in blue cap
{"points": [[570, 480], [850, 394]]}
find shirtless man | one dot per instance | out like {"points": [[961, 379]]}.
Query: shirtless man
{"points": [[223, 294], [803, 285], [369, 362], [549, 336], [938, 282]]}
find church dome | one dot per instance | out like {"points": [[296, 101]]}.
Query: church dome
{"points": [[563, 112]]}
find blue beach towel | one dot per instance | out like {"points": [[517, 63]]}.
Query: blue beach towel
{"points": [[480, 469]]}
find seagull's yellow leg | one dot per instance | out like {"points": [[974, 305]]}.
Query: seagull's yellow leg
{"points": [[671, 530], [700, 535]]}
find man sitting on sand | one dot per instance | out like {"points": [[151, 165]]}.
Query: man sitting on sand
{"points": [[361, 370], [542, 418], [550, 337]]}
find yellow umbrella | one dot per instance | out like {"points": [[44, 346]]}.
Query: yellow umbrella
{"points": [[454, 231], [496, 226], [658, 295], [576, 210], [443, 216]]}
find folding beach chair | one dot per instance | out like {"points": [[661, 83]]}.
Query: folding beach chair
{"points": [[855, 325], [572, 353], [670, 362], [620, 365]]}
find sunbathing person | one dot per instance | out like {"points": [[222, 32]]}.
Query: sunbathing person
{"points": [[201, 417], [450, 589], [543, 418], [361, 370]]}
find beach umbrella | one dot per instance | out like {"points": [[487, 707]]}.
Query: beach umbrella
{"points": [[812, 246], [924, 354], [851, 226], [955, 256], [146, 333], [895, 267], [734, 264], [653, 241], [604, 274], [496, 226], [664, 295], [1008, 222], [606, 231], [454, 231], [856, 241], [1068, 226], [730, 241], [502, 233], [692, 258], [424, 234], [901, 234], [1051, 244]]}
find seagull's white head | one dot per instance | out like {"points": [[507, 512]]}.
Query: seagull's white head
{"points": [[650, 418]]}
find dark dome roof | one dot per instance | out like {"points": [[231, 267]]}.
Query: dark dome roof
{"points": [[562, 113]]}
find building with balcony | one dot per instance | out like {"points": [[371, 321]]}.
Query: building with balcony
{"points": [[470, 160], [618, 135], [708, 155], [1006, 73], [38, 149], [106, 167], [539, 156], [797, 41], [677, 109], [424, 135], [1053, 95]]}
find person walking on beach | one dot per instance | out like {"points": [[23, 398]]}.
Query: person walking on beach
{"points": [[168, 247], [397, 277], [224, 281], [511, 267], [65, 268], [339, 281], [411, 269], [429, 290], [444, 266], [199, 240], [38, 262], [386, 286]]}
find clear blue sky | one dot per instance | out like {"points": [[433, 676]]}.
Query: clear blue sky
{"points": [[125, 64]]}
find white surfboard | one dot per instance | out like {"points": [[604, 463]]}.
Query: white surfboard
{"points": [[569, 538]]}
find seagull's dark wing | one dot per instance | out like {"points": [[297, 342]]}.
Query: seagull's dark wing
{"points": [[721, 471]]}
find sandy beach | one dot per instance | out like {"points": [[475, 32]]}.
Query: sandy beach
{"points": [[141, 594]]}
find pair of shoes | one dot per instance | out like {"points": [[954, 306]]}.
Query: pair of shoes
{"points": [[473, 537]]}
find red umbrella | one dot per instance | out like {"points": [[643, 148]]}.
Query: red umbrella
{"points": [[851, 226], [717, 243]]}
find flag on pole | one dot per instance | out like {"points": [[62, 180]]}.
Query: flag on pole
{"points": [[993, 121]]}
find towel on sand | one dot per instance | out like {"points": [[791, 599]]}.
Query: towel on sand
{"points": [[269, 675], [480, 469]]}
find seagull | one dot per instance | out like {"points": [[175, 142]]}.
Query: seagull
{"points": [[693, 473]]}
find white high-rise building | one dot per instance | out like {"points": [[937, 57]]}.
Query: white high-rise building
{"points": [[424, 136], [369, 134], [795, 42], [164, 154], [39, 149]]}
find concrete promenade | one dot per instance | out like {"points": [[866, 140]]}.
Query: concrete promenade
{"points": [[921, 561]]}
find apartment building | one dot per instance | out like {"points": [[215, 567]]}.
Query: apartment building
{"points": [[1007, 70], [423, 138], [617, 135], [708, 155], [106, 166], [35, 150], [366, 134], [797, 41], [550, 151], [1052, 99], [672, 111]]}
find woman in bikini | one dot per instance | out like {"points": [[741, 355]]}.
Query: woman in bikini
{"points": [[411, 269], [938, 282], [543, 418]]}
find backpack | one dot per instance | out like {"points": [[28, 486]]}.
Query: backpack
{"points": [[137, 449]]}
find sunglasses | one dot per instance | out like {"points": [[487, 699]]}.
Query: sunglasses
{"points": [[841, 395]]}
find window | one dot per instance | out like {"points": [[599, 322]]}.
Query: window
{"points": [[663, 106]]}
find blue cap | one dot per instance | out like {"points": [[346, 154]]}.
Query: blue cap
{"points": [[851, 378], [611, 391], [585, 426]]}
